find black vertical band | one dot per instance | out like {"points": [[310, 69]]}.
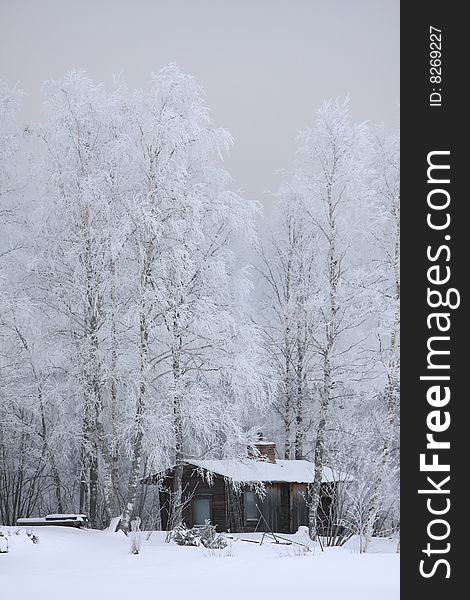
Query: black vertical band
{"points": [[435, 258]]}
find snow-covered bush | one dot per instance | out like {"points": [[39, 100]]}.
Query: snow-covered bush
{"points": [[210, 538], [185, 537], [3, 543], [204, 535]]}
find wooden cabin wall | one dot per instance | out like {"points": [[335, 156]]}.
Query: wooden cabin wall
{"points": [[299, 508], [193, 485], [326, 513], [284, 506], [275, 508], [235, 509]]}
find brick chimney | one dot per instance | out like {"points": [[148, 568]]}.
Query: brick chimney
{"points": [[264, 451]]}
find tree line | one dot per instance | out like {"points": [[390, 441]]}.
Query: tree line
{"points": [[149, 313]]}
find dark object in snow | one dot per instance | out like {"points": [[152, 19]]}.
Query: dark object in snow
{"points": [[3, 543], [204, 535], [64, 520], [33, 537]]}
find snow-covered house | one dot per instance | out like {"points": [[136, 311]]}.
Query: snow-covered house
{"points": [[258, 493]]}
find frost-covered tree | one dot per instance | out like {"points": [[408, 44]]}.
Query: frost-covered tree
{"points": [[29, 471], [78, 245], [197, 348], [330, 177], [10, 189], [385, 215], [128, 337], [354, 451], [288, 313], [16, 443]]}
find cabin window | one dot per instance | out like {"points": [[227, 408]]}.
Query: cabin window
{"points": [[251, 512], [202, 509]]}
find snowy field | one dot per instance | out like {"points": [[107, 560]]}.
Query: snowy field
{"points": [[76, 564]]}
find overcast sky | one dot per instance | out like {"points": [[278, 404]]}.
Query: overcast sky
{"points": [[266, 65]]}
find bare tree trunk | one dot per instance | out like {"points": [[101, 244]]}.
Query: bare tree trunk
{"points": [[116, 479], [177, 503], [288, 357], [57, 483], [391, 396], [376, 495], [299, 434], [158, 510], [133, 479], [302, 348], [46, 451], [102, 444], [92, 372], [391, 392], [287, 406], [89, 468], [85, 456], [142, 493], [315, 488], [177, 496], [331, 328], [144, 325], [94, 486], [84, 503], [136, 448], [108, 488], [135, 463], [114, 450]]}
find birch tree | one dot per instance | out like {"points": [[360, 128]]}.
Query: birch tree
{"points": [[76, 256], [332, 175], [288, 306], [190, 286], [128, 337], [385, 210], [16, 441]]}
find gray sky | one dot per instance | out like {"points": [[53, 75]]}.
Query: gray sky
{"points": [[266, 65]]}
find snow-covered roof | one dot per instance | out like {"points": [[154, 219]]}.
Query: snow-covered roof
{"points": [[250, 470], [52, 518], [60, 516], [30, 520]]}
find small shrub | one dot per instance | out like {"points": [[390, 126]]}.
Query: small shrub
{"points": [[185, 537], [210, 538], [205, 535]]}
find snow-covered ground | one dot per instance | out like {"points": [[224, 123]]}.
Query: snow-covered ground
{"points": [[88, 564]]}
